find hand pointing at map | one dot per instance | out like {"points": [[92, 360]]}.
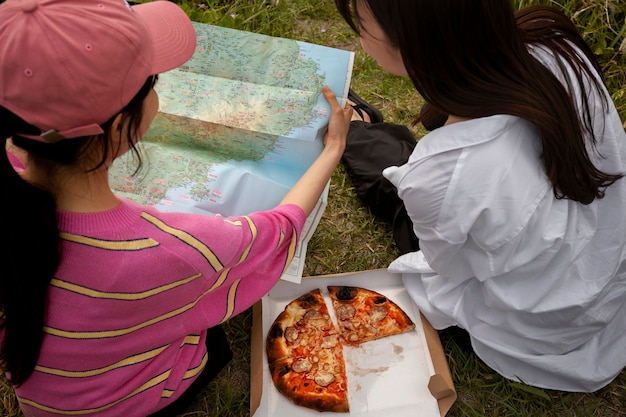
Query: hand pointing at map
{"points": [[308, 189], [339, 120]]}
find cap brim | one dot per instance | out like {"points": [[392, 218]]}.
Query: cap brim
{"points": [[172, 33]]}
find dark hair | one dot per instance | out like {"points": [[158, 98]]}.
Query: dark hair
{"points": [[471, 59], [32, 255]]}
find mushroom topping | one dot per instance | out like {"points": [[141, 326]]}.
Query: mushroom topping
{"points": [[302, 365], [377, 313], [324, 379], [380, 300], [329, 341]]}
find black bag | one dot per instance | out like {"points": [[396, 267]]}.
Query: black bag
{"points": [[370, 148]]}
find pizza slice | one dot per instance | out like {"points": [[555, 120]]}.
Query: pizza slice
{"points": [[364, 315], [305, 355]]}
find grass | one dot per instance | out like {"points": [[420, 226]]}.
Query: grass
{"points": [[349, 238]]}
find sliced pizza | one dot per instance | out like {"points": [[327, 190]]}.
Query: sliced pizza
{"points": [[305, 355], [364, 315]]}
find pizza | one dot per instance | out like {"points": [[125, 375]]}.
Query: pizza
{"points": [[305, 355], [304, 347], [364, 315]]}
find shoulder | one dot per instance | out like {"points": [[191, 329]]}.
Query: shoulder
{"points": [[470, 148], [469, 133], [200, 219], [485, 172]]}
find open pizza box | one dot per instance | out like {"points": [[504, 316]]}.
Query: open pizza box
{"points": [[401, 375]]}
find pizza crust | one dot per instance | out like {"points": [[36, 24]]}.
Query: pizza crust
{"points": [[302, 389]]}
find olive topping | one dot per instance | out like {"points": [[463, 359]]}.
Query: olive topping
{"points": [[346, 293], [380, 300], [308, 301]]}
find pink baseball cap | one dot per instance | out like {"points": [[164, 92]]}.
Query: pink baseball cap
{"points": [[70, 65]]}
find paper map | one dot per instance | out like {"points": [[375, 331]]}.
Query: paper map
{"points": [[238, 125]]}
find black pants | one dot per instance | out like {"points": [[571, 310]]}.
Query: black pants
{"points": [[219, 355], [370, 148]]}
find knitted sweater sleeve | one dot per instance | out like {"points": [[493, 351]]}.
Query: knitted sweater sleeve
{"points": [[268, 246], [239, 258]]}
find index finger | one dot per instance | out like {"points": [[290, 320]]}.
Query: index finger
{"points": [[330, 97]]}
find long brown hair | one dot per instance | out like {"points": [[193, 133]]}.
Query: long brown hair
{"points": [[471, 58]]}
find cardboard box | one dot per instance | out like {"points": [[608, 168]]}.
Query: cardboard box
{"points": [[395, 376]]}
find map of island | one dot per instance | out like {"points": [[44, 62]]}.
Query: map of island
{"points": [[238, 125]]}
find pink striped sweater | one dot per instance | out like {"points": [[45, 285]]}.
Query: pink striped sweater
{"points": [[130, 302]]}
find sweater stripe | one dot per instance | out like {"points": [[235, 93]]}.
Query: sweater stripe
{"points": [[292, 250], [192, 339], [188, 239], [120, 332], [253, 231], [124, 245], [220, 279], [166, 393], [191, 373], [232, 294], [89, 292], [150, 384], [281, 239], [132, 360]]}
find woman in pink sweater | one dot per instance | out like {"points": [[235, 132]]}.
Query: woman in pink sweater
{"points": [[105, 304]]}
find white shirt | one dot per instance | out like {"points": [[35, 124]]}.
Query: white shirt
{"points": [[538, 282]]}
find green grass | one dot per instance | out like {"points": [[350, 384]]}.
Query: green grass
{"points": [[350, 239]]}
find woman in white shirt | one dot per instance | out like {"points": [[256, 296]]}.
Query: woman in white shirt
{"points": [[518, 201]]}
